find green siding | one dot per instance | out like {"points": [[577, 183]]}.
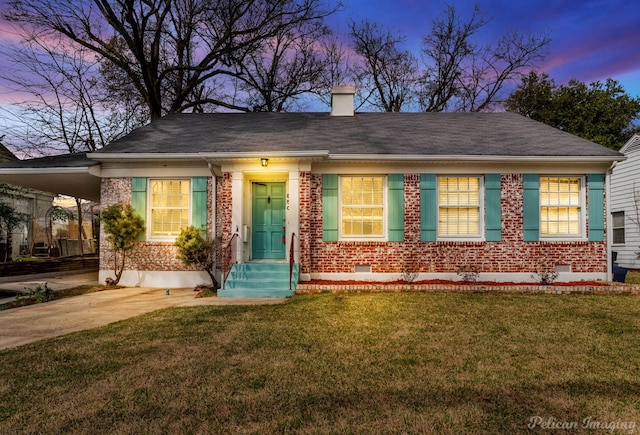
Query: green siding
{"points": [[329, 207], [531, 207], [395, 185], [493, 208], [139, 199], [595, 183], [428, 208], [199, 202]]}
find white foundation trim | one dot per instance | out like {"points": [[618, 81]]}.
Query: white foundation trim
{"points": [[154, 278], [495, 277]]}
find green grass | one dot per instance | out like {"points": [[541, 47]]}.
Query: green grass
{"points": [[365, 363], [632, 277]]}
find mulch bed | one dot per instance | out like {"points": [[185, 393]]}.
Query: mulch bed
{"points": [[449, 282], [58, 294]]}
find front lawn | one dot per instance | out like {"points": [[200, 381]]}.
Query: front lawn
{"points": [[364, 363]]}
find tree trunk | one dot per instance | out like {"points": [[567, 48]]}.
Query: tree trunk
{"points": [[214, 281]]}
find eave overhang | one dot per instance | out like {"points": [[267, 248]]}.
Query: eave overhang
{"points": [[80, 182]]}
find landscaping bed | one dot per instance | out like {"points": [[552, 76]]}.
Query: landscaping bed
{"points": [[58, 294], [576, 287]]}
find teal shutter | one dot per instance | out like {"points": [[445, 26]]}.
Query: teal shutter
{"points": [[595, 183], [199, 202], [395, 185], [139, 199], [428, 208], [531, 207], [329, 207], [493, 208]]}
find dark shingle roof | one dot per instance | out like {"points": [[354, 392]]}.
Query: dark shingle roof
{"points": [[411, 134], [78, 160]]}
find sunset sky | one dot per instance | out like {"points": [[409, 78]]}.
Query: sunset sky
{"points": [[591, 39]]}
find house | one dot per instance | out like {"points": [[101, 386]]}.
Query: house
{"points": [[354, 196], [625, 206], [32, 205]]}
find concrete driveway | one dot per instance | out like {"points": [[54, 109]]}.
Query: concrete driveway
{"points": [[28, 324]]}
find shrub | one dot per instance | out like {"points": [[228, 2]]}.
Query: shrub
{"points": [[122, 226], [39, 293], [469, 272], [545, 273], [194, 249]]}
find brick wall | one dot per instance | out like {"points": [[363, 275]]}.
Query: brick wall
{"points": [[511, 254], [146, 255], [305, 222]]}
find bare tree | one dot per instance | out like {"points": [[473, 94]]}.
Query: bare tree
{"points": [[445, 51], [282, 69], [337, 66], [175, 53], [461, 74], [387, 72], [65, 110]]}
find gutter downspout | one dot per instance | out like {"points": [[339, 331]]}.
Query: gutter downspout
{"points": [[607, 180]]}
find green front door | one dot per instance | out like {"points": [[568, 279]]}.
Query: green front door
{"points": [[268, 221]]}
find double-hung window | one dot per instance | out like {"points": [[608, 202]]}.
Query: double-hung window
{"points": [[561, 200], [618, 227], [459, 207], [169, 207], [362, 207]]}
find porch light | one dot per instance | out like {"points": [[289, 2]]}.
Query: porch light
{"points": [[264, 162]]}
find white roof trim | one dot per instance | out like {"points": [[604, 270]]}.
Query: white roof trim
{"points": [[479, 158], [326, 154], [633, 144], [207, 156]]}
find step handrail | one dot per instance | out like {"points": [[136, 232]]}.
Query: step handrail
{"points": [[291, 260], [227, 259]]}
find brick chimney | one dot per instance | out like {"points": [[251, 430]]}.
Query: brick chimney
{"points": [[342, 102]]}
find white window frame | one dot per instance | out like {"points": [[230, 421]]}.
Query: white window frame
{"points": [[582, 218], [481, 212], [614, 228], [385, 210], [149, 220]]}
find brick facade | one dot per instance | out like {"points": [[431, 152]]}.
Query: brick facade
{"points": [[510, 255], [305, 222], [146, 255]]}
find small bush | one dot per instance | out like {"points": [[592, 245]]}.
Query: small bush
{"points": [[545, 273], [469, 272], [39, 293]]}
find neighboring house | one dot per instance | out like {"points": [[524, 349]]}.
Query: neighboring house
{"points": [[625, 206], [358, 196], [32, 205]]}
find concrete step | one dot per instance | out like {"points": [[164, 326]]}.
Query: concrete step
{"points": [[260, 280]]}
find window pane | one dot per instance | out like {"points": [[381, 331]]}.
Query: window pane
{"points": [[458, 206], [618, 219], [362, 206], [560, 206], [169, 206], [618, 227]]}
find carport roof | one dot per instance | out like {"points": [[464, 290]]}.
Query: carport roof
{"points": [[67, 174]]}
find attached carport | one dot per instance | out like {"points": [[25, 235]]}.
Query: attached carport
{"points": [[69, 174]]}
